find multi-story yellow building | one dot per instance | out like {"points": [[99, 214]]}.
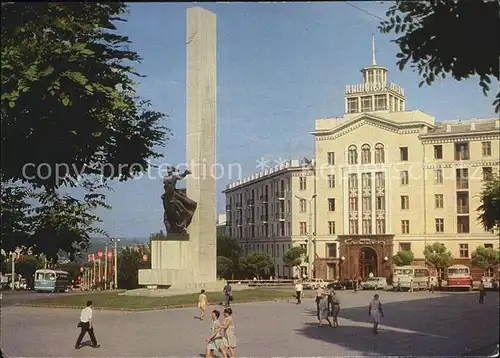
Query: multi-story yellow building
{"points": [[384, 179]]}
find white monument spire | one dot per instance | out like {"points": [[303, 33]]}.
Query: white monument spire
{"points": [[374, 62]]}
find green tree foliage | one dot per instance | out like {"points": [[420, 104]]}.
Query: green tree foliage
{"points": [[229, 248], [438, 256], [256, 262], [73, 270], [26, 266], [489, 210], [437, 38], [224, 266], [485, 257], [130, 260], [294, 256], [68, 107], [403, 257]]}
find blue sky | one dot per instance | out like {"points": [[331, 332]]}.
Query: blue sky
{"points": [[280, 66]]}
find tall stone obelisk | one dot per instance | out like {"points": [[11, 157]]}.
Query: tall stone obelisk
{"points": [[201, 84], [190, 262]]}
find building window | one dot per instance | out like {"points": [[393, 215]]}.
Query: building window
{"points": [[463, 224], [488, 246], [303, 228], [462, 202], [366, 104], [331, 227], [380, 226], [302, 183], [486, 149], [380, 102], [403, 153], [464, 251], [331, 250], [331, 204], [379, 153], [438, 152], [380, 202], [366, 154], [439, 201], [405, 246], [367, 227], [487, 173], [404, 177], [366, 203], [330, 156], [352, 155], [353, 181], [353, 227], [405, 226], [352, 105], [439, 224], [304, 248], [405, 202], [331, 181], [438, 176], [462, 151], [379, 179], [462, 178], [353, 204], [303, 205]]}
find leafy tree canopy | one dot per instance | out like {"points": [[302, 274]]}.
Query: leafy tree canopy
{"points": [[489, 210], [438, 256], [256, 262], [129, 262], [230, 248], [402, 258], [437, 38], [70, 117], [485, 257], [224, 266], [294, 256]]}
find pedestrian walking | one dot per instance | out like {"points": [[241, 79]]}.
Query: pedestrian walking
{"points": [[323, 310], [398, 286], [355, 284], [482, 292], [319, 293], [228, 295], [431, 288], [86, 326], [411, 285], [375, 311], [202, 304], [334, 307], [214, 340], [229, 334], [298, 292]]}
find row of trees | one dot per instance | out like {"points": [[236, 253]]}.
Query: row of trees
{"points": [[437, 256]]}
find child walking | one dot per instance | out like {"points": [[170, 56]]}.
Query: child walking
{"points": [[215, 339]]}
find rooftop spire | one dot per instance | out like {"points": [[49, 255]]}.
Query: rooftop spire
{"points": [[374, 62]]}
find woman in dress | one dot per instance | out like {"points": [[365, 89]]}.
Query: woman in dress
{"points": [[323, 310], [202, 304], [228, 336], [375, 311], [215, 339], [335, 307]]}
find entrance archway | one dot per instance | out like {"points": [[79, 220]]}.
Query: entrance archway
{"points": [[368, 262]]}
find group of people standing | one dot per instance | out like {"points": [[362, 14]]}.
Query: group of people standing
{"points": [[327, 305]]}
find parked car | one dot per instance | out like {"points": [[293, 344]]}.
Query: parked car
{"points": [[375, 283], [314, 284], [346, 284]]}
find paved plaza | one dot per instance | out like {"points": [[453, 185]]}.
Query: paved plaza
{"points": [[451, 324]]}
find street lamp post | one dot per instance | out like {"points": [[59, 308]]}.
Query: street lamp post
{"points": [[310, 256], [106, 266], [115, 241]]}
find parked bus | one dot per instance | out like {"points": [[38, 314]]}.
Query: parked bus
{"points": [[51, 280], [416, 277], [458, 276]]}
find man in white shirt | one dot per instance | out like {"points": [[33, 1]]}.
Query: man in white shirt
{"points": [[298, 291], [86, 326]]}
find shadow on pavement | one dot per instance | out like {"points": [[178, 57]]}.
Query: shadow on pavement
{"points": [[447, 325]]}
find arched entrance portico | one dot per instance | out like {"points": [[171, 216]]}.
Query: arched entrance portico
{"points": [[368, 262]]}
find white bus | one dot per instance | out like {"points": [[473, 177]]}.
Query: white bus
{"points": [[416, 277]]}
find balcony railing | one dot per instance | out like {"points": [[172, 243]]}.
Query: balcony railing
{"points": [[279, 216], [280, 195], [264, 198], [462, 209], [462, 184], [250, 202]]}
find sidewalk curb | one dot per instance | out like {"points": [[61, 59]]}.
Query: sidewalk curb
{"points": [[161, 308]]}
